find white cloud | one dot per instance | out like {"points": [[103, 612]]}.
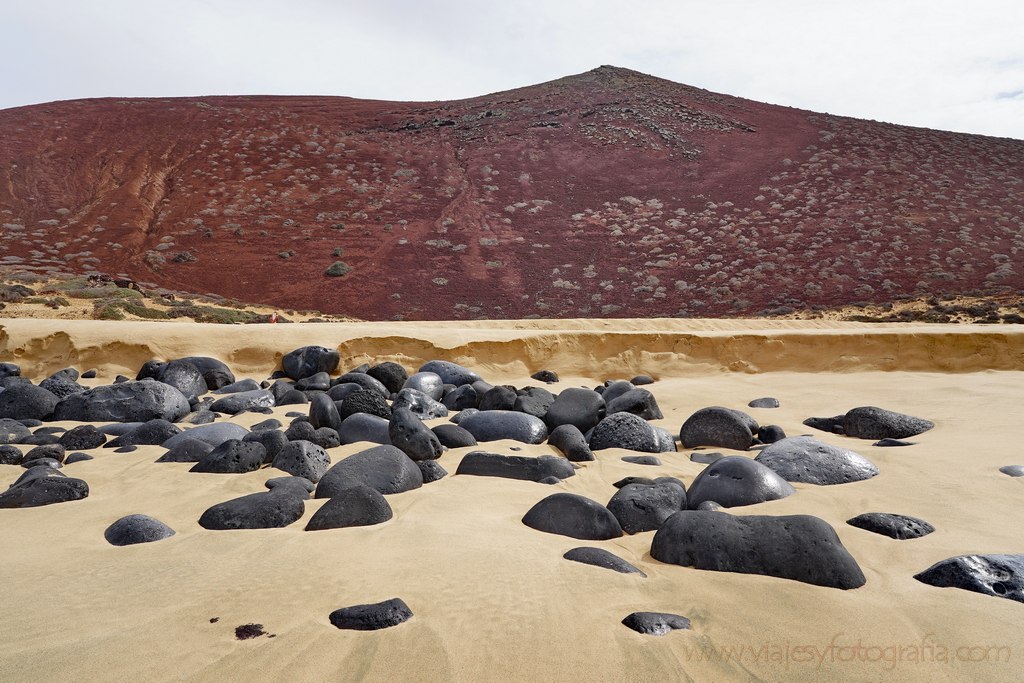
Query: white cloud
{"points": [[938, 63]]}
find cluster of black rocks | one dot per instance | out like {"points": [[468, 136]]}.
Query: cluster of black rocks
{"points": [[177, 404]]}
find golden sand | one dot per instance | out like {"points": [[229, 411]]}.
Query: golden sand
{"points": [[493, 599]]}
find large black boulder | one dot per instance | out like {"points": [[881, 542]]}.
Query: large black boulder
{"points": [[482, 464], [60, 384], [270, 510], [645, 507], [900, 527], [12, 431], [384, 468], [25, 401], [453, 436], [500, 397], [309, 360], [798, 547], [450, 373], [183, 376], [422, 405], [43, 486], [82, 438], [189, 450], [391, 375], [233, 404], [429, 383], [461, 398], [232, 457], [133, 529], [1001, 576], [138, 401], [372, 617], [215, 373], [807, 460], [533, 401], [273, 441], [582, 408], [364, 401], [719, 427], [364, 427], [869, 422], [302, 459], [636, 401], [492, 425], [734, 481], [569, 514], [323, 412], [408, 433], [625, 430], [571, 442], [151, 433], [357, 505], [214, 434]]}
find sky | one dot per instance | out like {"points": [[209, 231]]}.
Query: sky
{"points": [[946, 64]]}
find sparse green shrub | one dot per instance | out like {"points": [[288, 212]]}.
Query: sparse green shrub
{"points": [[337, 269]]}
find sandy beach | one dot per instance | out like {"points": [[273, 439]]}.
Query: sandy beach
{"points": [[493, 599]]}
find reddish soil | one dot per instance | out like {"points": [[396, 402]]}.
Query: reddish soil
{"points": [[606, 194]]}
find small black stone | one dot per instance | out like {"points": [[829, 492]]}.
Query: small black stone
{"points": [[372, 617], [655, 623]]}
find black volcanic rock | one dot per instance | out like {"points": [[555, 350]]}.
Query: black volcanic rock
{"points": [[421, 405], [582, 408], [655, 623], [309, 360], [1001, 576], [599, 557], [492, 425], [232, 404], [533, 401], [82, 438], [453, 436], [269, 510], [38, 487], [134, 529], [798, 547], [323, 412], [568, 514], [23, 400], [766, 402], [232, 457], [719, 427], [900, 527], [805, 459], [869, 422], [571, 442], [734, 481], [364, 427], [408, 433], [356, 505], [450, 373], [302, 459], [645, 507], [384, 468], [364, 401], [12, 431], [391, 375], [189, 450], [461, 398], [183, 376], [215, 372], [138, 401], [483, 464], [625, 430], [429, 383], [546, 376], [636, 401], [372, 617], [150, 433]]}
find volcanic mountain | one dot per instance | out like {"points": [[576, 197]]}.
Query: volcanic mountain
{"points": [[610, 193]]}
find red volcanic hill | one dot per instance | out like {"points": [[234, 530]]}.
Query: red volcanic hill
{"points": [[610, 193]]}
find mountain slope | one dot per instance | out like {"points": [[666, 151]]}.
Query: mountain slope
{"points": [[609, 193]]}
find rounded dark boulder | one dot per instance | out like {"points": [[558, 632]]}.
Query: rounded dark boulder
{"points": [[372, 617], [900, 527], [232, 457], [569, 514], [391, 375], [625, 430], [805, 459], [189, 450], [23, 400], [408, 433], [869, 422], [492, 425], [719, 427], [323, 412], [138, 401], [798, 547], [655, 623], [43, 486], [365, 401], [269, 510], [364, 427], [82, 438], [302, 459], [1000, 576], [645, 507], [570, 441], [582, 408], [183, 376], [357, 505], [309, 360], [384, 468], [453, 436], [133, 529], [450, 373], [735, 480], [639, 402]]}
